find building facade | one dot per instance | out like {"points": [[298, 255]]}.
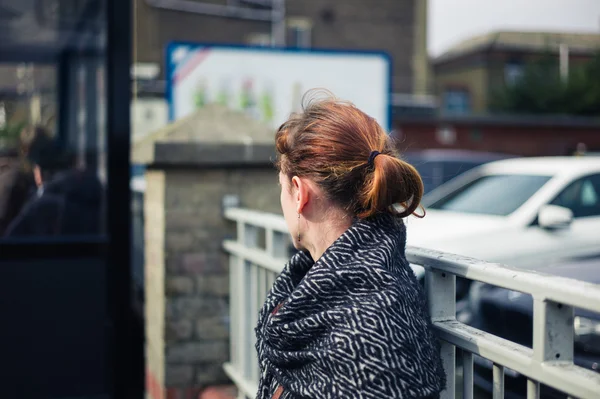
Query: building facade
{"points": [[539, 135], [397, 27], [467, 75]]}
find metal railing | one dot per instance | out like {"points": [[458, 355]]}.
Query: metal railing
{"points": [[261, 250]]}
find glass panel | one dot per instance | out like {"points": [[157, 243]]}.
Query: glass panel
{"points": [[457, 101], [582, 197], [492, 195], [52, 118], [513, 72]]}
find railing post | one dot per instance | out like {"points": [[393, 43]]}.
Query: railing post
{"points": [[552, 331], [241, 309], [276, 246], [235, 313], [533, 389], [498, 381], [467, 364], [249, 298], [441, 299], [276, 243]]}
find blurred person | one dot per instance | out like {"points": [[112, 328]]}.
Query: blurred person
{"points": [[67, 200], [16, 176], [8, 174], [580, 150], [346, 318]]}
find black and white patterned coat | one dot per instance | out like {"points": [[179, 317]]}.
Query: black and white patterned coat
{"points": [[352, 325]]}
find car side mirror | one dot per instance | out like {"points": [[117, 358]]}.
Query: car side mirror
{"points": [[553, 217]]}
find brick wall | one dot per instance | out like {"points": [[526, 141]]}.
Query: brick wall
{"points": [[518, 139], [194, 275]]}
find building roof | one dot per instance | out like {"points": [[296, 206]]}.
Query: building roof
{"points": [[523, 41]]}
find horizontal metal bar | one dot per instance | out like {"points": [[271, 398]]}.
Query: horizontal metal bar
{"points": [[256, 256], [249, 388], [256, 218], [564, 376], [542, 286], [263, 3], [213, 9]]}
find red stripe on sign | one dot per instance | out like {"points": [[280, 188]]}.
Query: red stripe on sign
{"points": [[152, 386], [191, 64]]}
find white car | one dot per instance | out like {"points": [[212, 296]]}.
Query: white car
{"points": [[519, 212]]}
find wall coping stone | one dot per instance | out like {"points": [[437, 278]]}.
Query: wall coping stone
{"points": [[211, 155]]}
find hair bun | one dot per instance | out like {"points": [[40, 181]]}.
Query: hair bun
{"points": [[332, 142]]}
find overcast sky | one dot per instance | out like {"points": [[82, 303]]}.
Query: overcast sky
{"points": [[451, 21]]}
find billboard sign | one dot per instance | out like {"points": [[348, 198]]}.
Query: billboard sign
{"points": [[269, 83]]}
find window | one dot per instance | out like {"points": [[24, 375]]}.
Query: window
{"points": [[513, 72], [492, 195], [52, 135], [437, 173], [457, 101], [61, 258], [299, 32], [582, 197]]}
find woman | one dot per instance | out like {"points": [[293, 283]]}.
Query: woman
{"points": [[346, 318]]}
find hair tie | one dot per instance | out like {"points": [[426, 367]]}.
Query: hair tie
{"points": [[372, 157]]}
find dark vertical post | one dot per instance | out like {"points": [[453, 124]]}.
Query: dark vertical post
{"points": [[127, 361]]}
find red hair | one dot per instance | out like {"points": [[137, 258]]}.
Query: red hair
{"points": [[331, 142]]}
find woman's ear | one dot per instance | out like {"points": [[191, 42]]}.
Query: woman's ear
{"points": [[300, 192]]}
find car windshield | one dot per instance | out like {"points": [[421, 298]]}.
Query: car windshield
{"points": [[435, 173], [492, 195]]}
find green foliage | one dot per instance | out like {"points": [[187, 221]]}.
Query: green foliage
{"points": [[9, 133], [542, 91]]}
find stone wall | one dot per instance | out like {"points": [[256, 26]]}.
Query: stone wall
{"points": [[190, 292]]}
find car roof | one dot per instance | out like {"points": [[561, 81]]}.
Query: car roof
{"points": [[549, 166]]}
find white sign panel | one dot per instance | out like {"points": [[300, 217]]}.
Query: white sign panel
{"points": [[269, 83]]}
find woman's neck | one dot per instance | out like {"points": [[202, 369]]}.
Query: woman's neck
{"points": [[325, 234]]}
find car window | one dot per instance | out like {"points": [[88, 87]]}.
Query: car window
{"points": [[427, 172], [453, 169], [436, 173], [492, 195], [582, 197]]}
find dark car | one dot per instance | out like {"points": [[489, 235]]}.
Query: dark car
{"points": [[436, 167], [509, 315]]}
